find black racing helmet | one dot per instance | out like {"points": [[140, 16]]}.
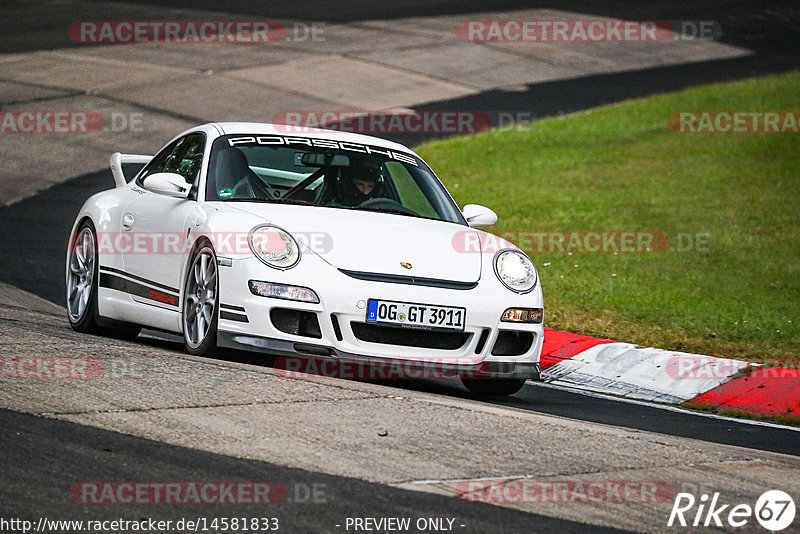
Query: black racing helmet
{"points": [[352, 195]]}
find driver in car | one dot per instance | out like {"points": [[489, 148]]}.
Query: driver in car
{"points": [[358, 184]]}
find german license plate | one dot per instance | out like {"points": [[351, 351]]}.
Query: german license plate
{"points": [[413, 315]]}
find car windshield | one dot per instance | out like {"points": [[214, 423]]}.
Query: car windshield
{"points": [[325, 172]]}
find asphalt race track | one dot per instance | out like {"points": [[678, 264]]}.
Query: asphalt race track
{"points": [[31, 486], [189, 419]]}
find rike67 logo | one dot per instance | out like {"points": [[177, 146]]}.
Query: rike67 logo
{"points": [[774, 510]]}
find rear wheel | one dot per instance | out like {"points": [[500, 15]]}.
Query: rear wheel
{"points": [[201, 303], [82, 284], [493, 386], [82, 281]]}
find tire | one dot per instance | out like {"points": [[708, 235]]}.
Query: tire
{"points": [[498, 387], [82, 280], [200, 310], [82, 283]]}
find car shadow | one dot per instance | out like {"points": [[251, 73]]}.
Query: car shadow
{"points": [[310, 368]]}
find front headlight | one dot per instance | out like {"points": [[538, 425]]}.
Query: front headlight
{"points": [[515, 270], [283, 291], [274, 246]]}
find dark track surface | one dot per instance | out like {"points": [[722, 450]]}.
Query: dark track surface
{"points": [[568, 96], [42, 458]]}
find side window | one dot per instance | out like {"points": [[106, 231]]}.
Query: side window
{"points": [[156, 164], [184, 157], [187, 158]]}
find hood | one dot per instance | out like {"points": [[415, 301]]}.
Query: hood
{"points": [[375, 242]]}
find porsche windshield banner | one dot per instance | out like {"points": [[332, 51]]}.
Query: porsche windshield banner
{"points": [[275, 140]]}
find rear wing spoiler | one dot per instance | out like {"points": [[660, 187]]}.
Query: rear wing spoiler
{"points": [[118, 160]]}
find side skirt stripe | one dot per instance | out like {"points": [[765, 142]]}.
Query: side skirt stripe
{"points": [[112, 281], [140, 279]]}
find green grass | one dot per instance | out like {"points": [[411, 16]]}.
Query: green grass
{"points": [[620, 168]]}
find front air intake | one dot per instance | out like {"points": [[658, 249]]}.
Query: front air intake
{"points": [[512, 343], [297, 322]]}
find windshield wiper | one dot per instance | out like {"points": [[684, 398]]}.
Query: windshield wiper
{"points": [[396, 211], [269, 200], [252, 199]]}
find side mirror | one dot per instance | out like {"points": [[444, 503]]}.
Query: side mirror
{"points": [[478, 216], [167, 183]]}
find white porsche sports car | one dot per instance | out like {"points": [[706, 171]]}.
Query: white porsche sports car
{"points": [[317, 244]]}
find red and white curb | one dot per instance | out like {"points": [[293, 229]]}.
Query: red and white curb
{"points": [[656, 375]]}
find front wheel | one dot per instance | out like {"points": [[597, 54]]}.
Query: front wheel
{"points": [[498, 387], [201, 303]]}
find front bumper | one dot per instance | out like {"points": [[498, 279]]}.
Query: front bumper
{"points": [[443, 369]]}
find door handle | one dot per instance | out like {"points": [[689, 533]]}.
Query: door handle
{"points": [[127, 221]]}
